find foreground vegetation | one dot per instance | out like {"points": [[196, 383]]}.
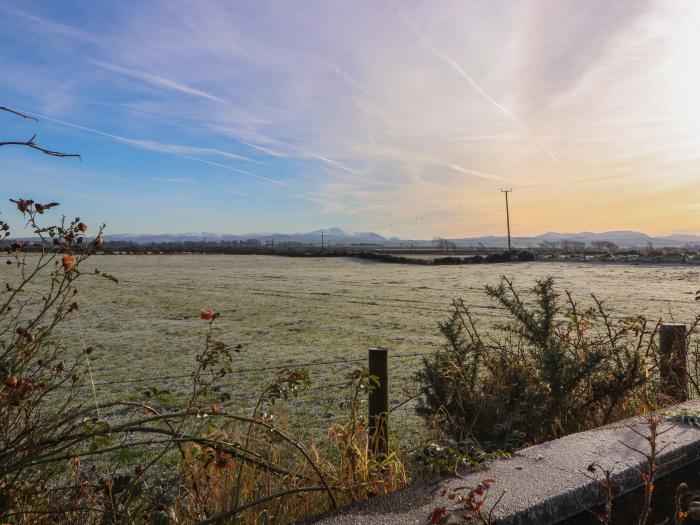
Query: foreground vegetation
{"points": [[73, 458]]}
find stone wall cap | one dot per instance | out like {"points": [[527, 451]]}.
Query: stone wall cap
{"points": [[545, 483]]}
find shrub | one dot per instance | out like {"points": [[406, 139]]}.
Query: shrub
{"points": [[40, 413], [549, 370]]}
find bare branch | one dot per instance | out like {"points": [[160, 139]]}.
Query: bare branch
{"points": [[14, 112], [31, 144]]}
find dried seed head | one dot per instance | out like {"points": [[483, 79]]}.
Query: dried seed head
{"points": [[68, 262], [23, 205], [207, 314]]}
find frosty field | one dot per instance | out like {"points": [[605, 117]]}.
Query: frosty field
{"points": [[300, 310]]}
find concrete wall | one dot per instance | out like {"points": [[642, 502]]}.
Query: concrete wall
{"points": [[543, 484]]}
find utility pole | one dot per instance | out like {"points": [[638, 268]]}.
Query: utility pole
{"points": [[322, 240], [507, 214]]}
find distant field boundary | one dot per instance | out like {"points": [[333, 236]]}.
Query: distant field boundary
{"points": [[513, 256], [420, 256]]}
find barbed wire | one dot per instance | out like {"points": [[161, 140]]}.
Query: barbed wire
{"points": [[279, 367]]}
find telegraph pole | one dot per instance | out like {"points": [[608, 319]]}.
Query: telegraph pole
{"points": [[507, 214], [322, 240]]}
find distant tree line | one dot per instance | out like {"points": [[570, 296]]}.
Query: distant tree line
{"points": [[248, 246], [444, 244], [295, 248]]}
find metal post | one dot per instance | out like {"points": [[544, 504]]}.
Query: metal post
{"points": [[379, 402], [673, 349]]}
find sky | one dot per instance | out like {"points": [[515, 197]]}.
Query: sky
{"points": [[402, 117]]}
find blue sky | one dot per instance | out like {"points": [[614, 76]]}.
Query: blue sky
{"points": [[401, 117]]}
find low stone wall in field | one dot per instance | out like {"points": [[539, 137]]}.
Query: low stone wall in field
{"points": [[514, 256]]}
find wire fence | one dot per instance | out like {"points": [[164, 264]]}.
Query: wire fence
{"points": [[319, 405], [278, 368], [316, 408]]}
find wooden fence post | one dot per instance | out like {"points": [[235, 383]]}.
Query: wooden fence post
{"points": [[379, 402], [673, 349]]}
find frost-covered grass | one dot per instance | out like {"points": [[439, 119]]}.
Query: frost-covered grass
{"points": [[296, 310]]}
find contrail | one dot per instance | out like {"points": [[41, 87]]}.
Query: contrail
{"points": [[138, 144], [482, 174], [56, 27], [263, 149], [435, 50], [156, 80], [333, 163]]}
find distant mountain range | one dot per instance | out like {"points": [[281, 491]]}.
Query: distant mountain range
{"points": [[623, 239], [332, 235]]}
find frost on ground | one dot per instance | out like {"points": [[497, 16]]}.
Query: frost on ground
{"points": [[301, 310]]}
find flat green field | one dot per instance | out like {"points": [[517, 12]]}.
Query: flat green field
{"points": [[299, 310]]}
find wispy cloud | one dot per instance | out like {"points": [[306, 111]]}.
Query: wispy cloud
{"points": [[264, 149], [186, 150], [334, 163], [450, 61], [475, 173], [252, 137], [338, 71], [157, 80], [381, 113], [175, 149], [237, 170], [237, 193], [56, 27], [149, 145]]}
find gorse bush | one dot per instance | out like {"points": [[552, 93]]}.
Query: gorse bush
{"points": [[554, 369]]}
